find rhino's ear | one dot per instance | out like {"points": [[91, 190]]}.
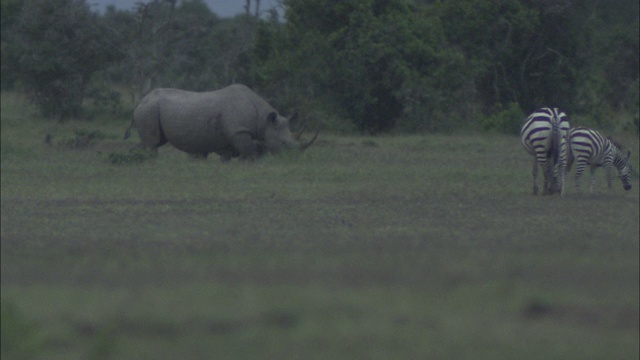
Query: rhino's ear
{"points": [[272, 118]]}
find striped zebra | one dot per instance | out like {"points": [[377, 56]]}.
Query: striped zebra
{"points": [[543, 135], [587, 146]]}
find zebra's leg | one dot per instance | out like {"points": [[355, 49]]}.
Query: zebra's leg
{"points": [[608, 167], [548, 177], [564, 163], [593, 179], [535, 176], [563, 175], [567, 167]]}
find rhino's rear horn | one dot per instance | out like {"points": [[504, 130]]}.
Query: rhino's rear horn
{"points": [[305, 146]]}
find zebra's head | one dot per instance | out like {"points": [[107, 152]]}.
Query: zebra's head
{"points": [[624, 169]]}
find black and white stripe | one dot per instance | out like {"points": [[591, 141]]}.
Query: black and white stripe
{"points": [[589, 147], [543, 135]]}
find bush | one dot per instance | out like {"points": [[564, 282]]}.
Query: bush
{"points": [[60, 44], [507, 121], [83, 138], [135, 156], [104, 101]]}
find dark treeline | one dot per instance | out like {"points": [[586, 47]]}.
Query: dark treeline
{"points": [[355, 65]]}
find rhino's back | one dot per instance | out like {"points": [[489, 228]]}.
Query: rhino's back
{"points": [[241, 106]]}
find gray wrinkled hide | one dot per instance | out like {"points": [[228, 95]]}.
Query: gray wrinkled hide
{"points": [[233, 121]]}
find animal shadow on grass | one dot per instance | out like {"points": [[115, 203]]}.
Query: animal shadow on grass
{"points": [[536, 309]]}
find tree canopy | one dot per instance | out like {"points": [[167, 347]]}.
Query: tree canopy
{"points": [[356, 65]]}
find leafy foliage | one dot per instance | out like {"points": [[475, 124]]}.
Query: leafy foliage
{"points": [[60, 44], [360, 55], [370, 66], [82, 139], [507, 121]]}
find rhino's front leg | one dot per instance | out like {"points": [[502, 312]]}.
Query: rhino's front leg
{"points": [[245, 146]]}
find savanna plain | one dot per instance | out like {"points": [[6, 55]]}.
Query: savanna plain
{"points": [[388, 247]]}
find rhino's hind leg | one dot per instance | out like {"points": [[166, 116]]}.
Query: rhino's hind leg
{"points": [[150, 145]]}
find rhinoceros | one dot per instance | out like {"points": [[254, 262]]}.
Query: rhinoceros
{"points": [[231, 122]]}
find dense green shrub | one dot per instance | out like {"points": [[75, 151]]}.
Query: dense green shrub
{"points": [[507, 121], [82, 139], [103, 100], [60, 44]]}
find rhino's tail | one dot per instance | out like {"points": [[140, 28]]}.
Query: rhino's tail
{"points": [[128, 132]]}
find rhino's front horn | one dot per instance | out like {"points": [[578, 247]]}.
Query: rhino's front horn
{"points": [[296, 135], [303, 147]]}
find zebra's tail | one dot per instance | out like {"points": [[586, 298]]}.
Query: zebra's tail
{"points": [[556, 142], [557, 157]]}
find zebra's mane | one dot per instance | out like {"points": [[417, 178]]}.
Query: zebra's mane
{"points": [[615, 143]]}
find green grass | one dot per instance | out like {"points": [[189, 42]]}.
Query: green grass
{"points": [[360, 248]]}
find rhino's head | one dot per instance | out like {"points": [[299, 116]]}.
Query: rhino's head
{"points": [[278, 134]]}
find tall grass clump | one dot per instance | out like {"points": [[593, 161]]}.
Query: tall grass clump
{"points": [[20, 336], [134, 156]]}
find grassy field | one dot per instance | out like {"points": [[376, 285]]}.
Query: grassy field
{"points": [[396, 247]]}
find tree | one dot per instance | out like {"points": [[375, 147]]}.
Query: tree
{"points": [[360, 58], [10, 60], [607, 43], [181, 45], [501, 42], [61, 44], [442, 65], [146, 38]]}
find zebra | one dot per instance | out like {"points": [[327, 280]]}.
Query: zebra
{"points": [[544, 135], [588, 146]]}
